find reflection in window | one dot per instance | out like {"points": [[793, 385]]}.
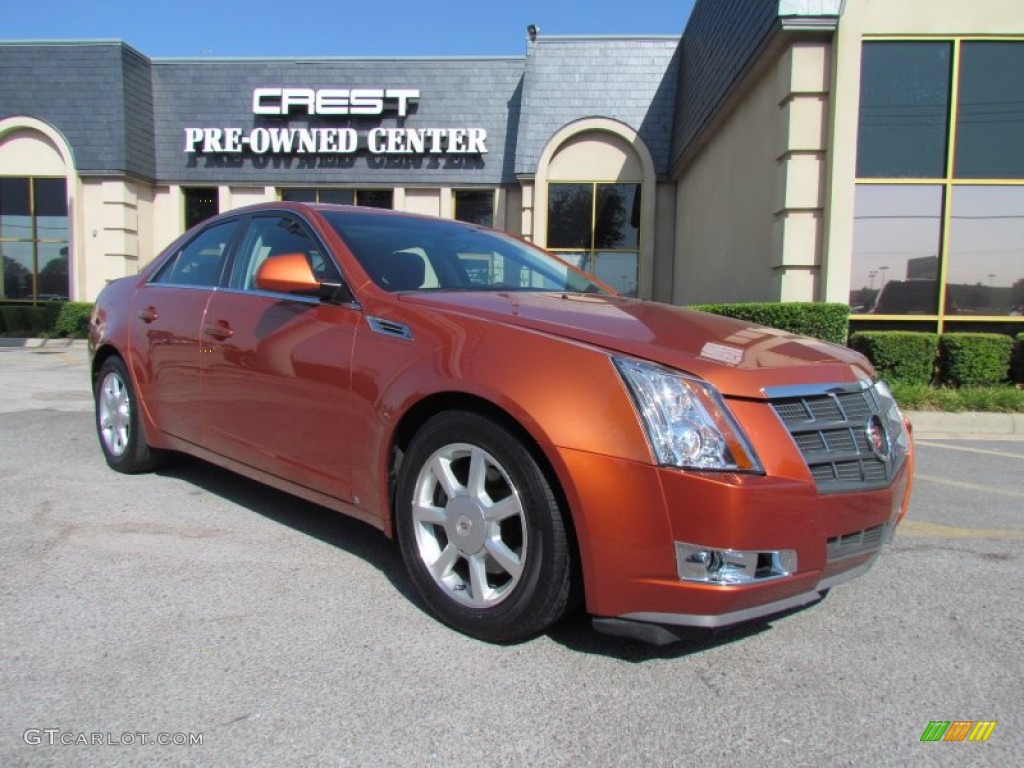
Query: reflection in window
{"points": [[954, 234], [570, 216], [201, 261], [34, 239], [990, 114], [368, 198], [896, 245], [985, 275], [904, 109], [475, 206], [596, 227]]}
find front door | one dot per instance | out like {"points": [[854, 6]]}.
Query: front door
{"points": [[276, 373]]}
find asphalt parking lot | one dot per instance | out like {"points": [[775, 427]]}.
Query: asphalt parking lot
{"points": [[197, 605]]}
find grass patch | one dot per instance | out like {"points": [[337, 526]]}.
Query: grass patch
{"points": [[921, 397]]}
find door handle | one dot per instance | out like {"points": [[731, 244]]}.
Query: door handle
{"points": [[148, 314], [219, 330]]}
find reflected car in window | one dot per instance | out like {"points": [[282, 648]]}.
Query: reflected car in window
{"points": [[534, 442]]}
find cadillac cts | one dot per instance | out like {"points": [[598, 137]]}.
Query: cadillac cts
{"points": [[532, 440]]}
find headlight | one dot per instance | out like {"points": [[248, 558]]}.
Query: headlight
{"points": [[687, 423]]}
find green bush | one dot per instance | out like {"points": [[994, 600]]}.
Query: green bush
{"points": [[974, 359], [922, 397], [825, 321], [24, 318], [73, 319], [1017, 366], [907, 356], [51, 318]]}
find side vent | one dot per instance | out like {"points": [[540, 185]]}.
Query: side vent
{"points": [[390, 328]]}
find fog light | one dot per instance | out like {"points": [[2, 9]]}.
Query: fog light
{"points": [[732, 566]]}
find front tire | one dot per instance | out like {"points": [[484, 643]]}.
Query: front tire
{"points": [[481, 531], [117, 421]]}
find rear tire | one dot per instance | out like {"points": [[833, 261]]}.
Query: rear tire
{"points": [[481, 530], [117, 421]]}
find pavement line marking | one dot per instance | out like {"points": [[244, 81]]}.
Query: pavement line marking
{"points": [[970, 450], [920, 528], [969, 486]]}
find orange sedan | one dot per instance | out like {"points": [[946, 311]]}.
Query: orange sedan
{"points": [[532, 440]]}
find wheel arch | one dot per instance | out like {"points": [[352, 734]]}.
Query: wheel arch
{"points": [[417, 415]]}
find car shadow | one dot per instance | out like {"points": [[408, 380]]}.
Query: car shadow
{"points": [[333, 528], [362, 540]]}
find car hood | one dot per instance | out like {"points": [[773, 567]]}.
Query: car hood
{"points": [[740, 358]]}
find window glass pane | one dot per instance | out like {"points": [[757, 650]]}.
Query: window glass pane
{"points": [[904, 109], [416, 254], [475, 206], [618, 270], [570, 213], [14, 209], [896, 238], [51, 197], [990, 119], [52, 284], [200, 205], [201, 261], [51, 205], [337, 196], [375, 198], [985, 275], [273, 236], [17, 275], [299, 195], [618, 216]]}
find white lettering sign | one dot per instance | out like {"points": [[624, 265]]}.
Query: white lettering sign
{"points": [[335, 141], [332, 101]]}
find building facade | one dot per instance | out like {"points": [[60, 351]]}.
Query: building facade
{"points": [[780, 150]]}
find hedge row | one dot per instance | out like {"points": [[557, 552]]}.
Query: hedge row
{"points": [[54, 318], [1017, 366], [825, 321], [949, 359]]}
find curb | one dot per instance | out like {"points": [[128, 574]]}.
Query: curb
{"points": [[44, 343], [932, 425]]}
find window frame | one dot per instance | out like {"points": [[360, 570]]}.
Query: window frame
{"points": [[34, 241], [949, 182], [586, 259]]}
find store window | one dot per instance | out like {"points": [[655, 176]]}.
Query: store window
{"points": [[34, 239], [939, 208], [368, 198], [201, 203], [475, 206], [596, 226]]}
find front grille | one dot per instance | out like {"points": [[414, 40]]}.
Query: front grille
{"points": [[834, 428]]}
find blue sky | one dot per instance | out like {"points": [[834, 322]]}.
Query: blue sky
{"points": [[335, 28]]}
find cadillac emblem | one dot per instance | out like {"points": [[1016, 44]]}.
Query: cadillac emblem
{"points": [[878, 440]]}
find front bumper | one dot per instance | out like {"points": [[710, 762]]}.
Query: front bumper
{"points": [[633, 516]]}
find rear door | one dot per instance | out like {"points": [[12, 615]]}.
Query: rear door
{"points": [[166, 341], [277, 371]]}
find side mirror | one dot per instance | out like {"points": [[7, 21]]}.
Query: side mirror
{"points": [[291, 273]]}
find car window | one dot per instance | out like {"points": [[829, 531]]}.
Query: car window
{"points": [[273, 236], [201, 261], [420, 254]]}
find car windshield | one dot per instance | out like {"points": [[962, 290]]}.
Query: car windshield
{"points": [[418, 254]]}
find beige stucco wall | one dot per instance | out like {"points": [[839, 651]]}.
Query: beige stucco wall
{"points": [[749, 206], [946, 18]]}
